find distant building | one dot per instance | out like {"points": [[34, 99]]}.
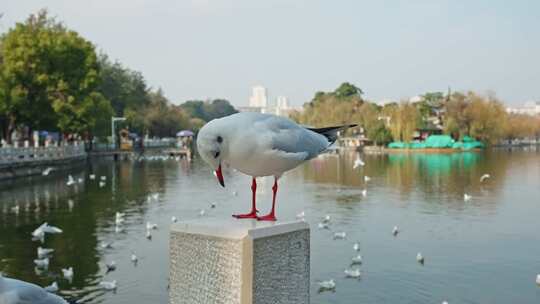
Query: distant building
{"points": [[259, 97], [529, 108], [258, 102]]}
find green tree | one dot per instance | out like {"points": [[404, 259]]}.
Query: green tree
{"points": [[348, 90]]}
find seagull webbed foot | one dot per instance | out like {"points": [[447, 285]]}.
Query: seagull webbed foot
{"points": [[251, 215], [268, 217]]}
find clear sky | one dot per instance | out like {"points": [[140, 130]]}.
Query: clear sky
{"points": [[391, 49]]}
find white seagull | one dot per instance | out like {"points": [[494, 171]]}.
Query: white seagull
{"points": [[150, 226], [47, 171], [395, 231], [356, 246], [261, 145], [42, 263], [466, 197], [367, 178], [174, 219], [340, 235], [68, 273], [103, 178], [327, 285], [134, 258], [43, 252], [148, 234], [92, 176], [364, 192], [40, 232], [301, 216], [108, 285], [70, 181], [358, 162], [484, 177], [16, 292], [326, 219], [110, 266], [420, 259], [352, 273], [53, 288], [102, 184], [323, 226], [356, 260], [538, 279]]}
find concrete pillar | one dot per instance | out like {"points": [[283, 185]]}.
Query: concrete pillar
{"points": [[239, 262]]}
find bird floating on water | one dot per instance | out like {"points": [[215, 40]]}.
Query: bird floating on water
{"points": [[326, 219], [108, 285], [260, 145], [46, 171], [538, 279], [174, 219], [148, 234], [323, 226], [103, 178], [327, 285], [466, 197], [43, 252], [395, 231], [102, 184], [111, 266], [352, 273], [68, 273], [358, 162], [202, 212], [367, 178], [340, 235], [70, 181], [484, 177], [42, 263], [420, 259], [150, 226], [53, 288], [301, 216], [364, 192], [16, 292], [92, 176], [356, 246], [106, 245], [134, 258], [356, 260], [45, 228], [16, 209]]}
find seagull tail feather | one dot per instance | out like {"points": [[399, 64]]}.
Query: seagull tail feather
{"points": [[331, 132]]}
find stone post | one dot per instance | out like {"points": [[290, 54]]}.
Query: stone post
{"points": [[239, 262]]}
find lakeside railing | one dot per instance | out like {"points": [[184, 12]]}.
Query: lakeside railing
{"points": [[14, 155]]}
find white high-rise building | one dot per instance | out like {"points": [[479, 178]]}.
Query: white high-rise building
{"points": [[259, 97], [282, 106]]}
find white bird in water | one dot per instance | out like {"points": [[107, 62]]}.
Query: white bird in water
{"points": [[43, 252], [70, 181], [340, 235], [42, 263], [110, 266], [120, 215], [356, 246], [92, 176], [202, 212], [466, 197], [102, 184], [364, 192], [40, 232], [260, 145], [174, 219], [538, 279], [106, 245], [80, 180], [46, 171], [103, 178], [134, 258], [150, 226], [367, 178], [356, 260], [326, 219], [148, 234], [68, 273], [108, 285], [444, 302], [18, 292], [53, 288], [16, 209], [327, 285], [301, 216], [358, 162], [484, 177], [420, 259], [352, 273], [395, 231], [119, 229], [323, 226]]}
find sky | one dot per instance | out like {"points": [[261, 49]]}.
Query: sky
{"points": [[392, 50]]}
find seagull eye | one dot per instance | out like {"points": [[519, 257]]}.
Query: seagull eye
{"points": [[216, 155], [219, 139]]}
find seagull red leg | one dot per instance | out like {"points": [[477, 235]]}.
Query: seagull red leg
{"points": [[253, 213], [272, 215]]}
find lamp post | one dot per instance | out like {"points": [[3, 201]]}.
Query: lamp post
{"points": [[113, 120]]}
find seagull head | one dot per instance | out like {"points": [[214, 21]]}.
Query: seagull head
{"points": [[211, 143]]}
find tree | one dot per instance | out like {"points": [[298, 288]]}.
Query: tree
{"points": [[348, 90], [403, 121], [208, 110], [487, 118]]}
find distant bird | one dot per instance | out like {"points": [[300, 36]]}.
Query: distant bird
{"points": [[120, 215], [18, 292], [202, 212], [16, 209], [174, 219], [213, 205], [70, 181], [340, 235], [235, 193], [484, 177], [301, 215], [420, 259], [444, 302], [356, 246], [352, 273], [102, 184], [92, 176], [45, 228], [538, 279], [119, 229], [80, 180], [260, 145], [118, 221], [106, 245], [466, 197], [150, 226], [148, 234], [326, 219], [356, 260], [68, 273], [134, 258], [42, 263], [323, 226], [43, 252], [108, 285], [53, 288], [364, 192], [103, 178], [367, 178], [358, 162], [47, 171], [327, 285], [395, 231], [111, 266]]}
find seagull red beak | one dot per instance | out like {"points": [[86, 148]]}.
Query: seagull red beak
{"points": [[219, 176]]}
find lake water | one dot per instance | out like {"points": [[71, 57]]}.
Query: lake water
{"points": [[486, 250]]}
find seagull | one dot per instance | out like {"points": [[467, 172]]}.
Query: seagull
{"points": [[301, 215], [16, 209], [42, 263], [103, 178], [45, 228], [395, 231], [110, 266], [202, 212], [43, 252], [356, 260], [120, 215], [68, 273], [106, 245], [134, 258], [466, 197], [538, 279], [118, 229], [444, 302], [47, 171], [53, 288], [80, 180], [174, 219], [352, 273], [326, 219], [484, 177], [340, 235], [327, 285], [92, 176], [367, 178], [323, 226], [102, 184], [16, 292], [420, 258], [148, 234], [260, 145], [70, 181], [364, 192], [108, 285], [358, 162], [150, 226], [356, 246], [213, 205]]}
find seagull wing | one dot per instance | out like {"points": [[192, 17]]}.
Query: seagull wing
{"points": [[27, 293]]}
